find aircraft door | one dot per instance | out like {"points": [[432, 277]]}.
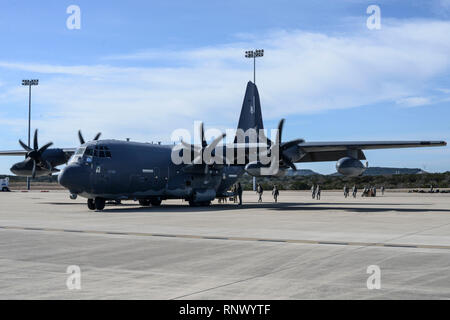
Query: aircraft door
{"points": [[159, 179]]}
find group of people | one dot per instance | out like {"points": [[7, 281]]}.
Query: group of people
{"points": [[347, 191], [237, 190], [315, 191], [368, 191], [260, 191]]}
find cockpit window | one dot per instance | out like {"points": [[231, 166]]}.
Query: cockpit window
{"points": [[80, 151], [89, 151], [102, 152]]}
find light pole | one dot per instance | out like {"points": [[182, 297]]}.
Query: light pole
{"points": [[254, 54], [29, 83]]}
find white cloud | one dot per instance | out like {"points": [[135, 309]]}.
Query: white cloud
{"points": [[414, 101], [302, 72]]}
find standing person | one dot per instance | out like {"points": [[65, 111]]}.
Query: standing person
{"points": [[275, 193], [354, 191], [313, 191], [346, 191], [259, 190], [239, 192], [318, 192], [382, 190]]}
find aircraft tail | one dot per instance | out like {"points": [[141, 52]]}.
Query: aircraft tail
{"points": [[251, 115]]}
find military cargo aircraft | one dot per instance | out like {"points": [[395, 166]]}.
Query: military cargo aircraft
{"points": [[101, 170]]}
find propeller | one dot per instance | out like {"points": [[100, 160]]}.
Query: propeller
{"points": [[199, 151], [35, 154], [80, 136], [283, 146]]}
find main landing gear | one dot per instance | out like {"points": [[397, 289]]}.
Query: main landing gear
{"points": [[148, 202], [199, 204], [96, 204]]}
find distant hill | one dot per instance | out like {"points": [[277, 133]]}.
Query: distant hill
{"points": [[300, 172], [382, 171]]}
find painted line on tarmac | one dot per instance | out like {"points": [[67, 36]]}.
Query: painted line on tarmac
{"points": [[187, 236]]}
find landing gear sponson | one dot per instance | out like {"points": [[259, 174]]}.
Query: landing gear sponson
{"points": [[99, 203]]}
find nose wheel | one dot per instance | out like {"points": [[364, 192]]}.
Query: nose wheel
{"points": [[96, 204]]}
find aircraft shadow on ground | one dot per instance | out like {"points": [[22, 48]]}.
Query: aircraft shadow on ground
{"points": [[285, 206]]}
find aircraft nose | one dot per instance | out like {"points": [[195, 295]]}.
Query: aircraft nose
{"points": [[73, 177]]}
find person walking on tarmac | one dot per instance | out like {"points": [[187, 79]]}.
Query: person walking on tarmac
{"points": [[239, 192], [313, 191], [354, 191], [318, 192], [346, 191], [275, 193], [259, 190]]}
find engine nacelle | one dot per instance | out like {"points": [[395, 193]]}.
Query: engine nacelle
{"points": [[255, 169], [350, 167], [204, 195]]}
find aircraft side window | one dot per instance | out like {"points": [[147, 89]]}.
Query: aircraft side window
{"points": [[95, 153], [102, 154], [89, 152], [108, 154]]}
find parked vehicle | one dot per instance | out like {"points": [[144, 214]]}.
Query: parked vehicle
{"points": [[4, 184]]}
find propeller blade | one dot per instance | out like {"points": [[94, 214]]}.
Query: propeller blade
{"points": [[27, 148], [202, 135], [288, 162], [45, 147], [80, 137], [280, 131], [33, 172], [35, 140], [215, 142], [97, 136], [213, 145], [191, 147], [287, 145]]}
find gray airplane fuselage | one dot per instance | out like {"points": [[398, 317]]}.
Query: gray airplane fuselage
{"points": [[113, 169]]}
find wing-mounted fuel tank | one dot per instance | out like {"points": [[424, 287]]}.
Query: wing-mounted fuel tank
{"points": [[350, 167], [257, 169]]}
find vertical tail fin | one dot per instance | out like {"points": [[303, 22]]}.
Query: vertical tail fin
{"points": [[251, 115]]}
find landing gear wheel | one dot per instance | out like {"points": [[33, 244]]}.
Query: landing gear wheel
{"points": [[99, 203], [199, 204], [144, 202], [91, 204], [156, 202]]}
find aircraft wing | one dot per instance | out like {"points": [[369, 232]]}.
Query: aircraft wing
{"points": [[366, 145], [68, 151], [13, 153], [333, 151]]}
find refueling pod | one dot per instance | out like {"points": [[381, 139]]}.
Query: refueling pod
{"points": [[350, 167], [257, 169]]}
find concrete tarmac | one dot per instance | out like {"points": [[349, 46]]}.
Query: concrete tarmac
{"points": [[299, 248]]}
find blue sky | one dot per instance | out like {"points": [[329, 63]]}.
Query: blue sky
{"points": [[142, 69]]}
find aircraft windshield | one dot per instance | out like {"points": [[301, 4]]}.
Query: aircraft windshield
{"points": [[80, 151]]}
